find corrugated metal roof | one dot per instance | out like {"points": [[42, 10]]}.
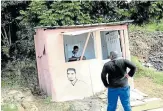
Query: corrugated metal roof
{"points": [[84, 25]]}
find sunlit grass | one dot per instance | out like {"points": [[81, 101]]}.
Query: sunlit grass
{"points": [[151, 27]]}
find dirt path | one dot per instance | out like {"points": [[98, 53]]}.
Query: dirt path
{"points": [[146, 85], [23, 100]]}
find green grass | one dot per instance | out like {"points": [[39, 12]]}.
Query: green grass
{"points": [[149, 105], [9, 107], [147, 72], [48, 100], [151, 27]]}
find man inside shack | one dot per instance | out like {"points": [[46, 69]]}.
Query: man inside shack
{"points": [[117, 81], [75, 56]]}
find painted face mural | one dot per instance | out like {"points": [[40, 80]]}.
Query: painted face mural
{"points": [[71, 74], [75, 87]]}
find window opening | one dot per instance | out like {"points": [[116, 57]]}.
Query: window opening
{"points": [[110, 41], [79, 47]]}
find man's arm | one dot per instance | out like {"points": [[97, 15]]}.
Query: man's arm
{"points": [[103, 76], [132, 68], [73, 59]]}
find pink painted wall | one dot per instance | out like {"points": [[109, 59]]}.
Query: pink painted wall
{"points": [[52, 68], [42, 62]]}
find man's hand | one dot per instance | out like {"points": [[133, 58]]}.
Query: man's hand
{"points": [[127, 76], [78, 58]]}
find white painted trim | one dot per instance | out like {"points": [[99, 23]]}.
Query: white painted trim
{"points": [[85, 45], [81, 31]]}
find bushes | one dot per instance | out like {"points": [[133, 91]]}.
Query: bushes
{"points": [[147, 72], [20, 73]]}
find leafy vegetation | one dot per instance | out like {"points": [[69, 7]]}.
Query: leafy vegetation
{"points": [[147, 72], [143, 11], [19, 73]]}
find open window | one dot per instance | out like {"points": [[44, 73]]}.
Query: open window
{"points": [[84, 40], [110, 41]]}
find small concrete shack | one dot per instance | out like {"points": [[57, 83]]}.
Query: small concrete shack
{"points": [[64, 80]]}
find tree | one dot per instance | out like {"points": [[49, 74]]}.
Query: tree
{"points": [[156, 10], [105, 11], [142, 11], [9, 25], [58, 13]]}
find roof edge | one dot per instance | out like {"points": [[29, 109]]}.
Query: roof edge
{"points": [[84, 25]]}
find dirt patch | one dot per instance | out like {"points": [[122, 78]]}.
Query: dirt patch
{"points": [[147, 46], [147, 86], [22, 99]]}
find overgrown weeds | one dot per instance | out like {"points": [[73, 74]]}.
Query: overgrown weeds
{"points": [[20, 73], [151, 27], [147, 72]]}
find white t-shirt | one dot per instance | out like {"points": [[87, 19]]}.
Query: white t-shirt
{"points": [[77, 91], [73, 55]]}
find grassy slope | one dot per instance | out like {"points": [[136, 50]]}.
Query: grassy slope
{"points": [[151, 27], [147, 72]]}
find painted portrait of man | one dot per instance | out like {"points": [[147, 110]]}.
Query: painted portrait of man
{"points": [[71, 75], [75, 87]]}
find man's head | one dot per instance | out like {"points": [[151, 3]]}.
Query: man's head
{"points": [[75, 49], [71, 74], [113, 55]]}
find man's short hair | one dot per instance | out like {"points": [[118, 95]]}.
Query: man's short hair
{"points": [[114, 54], [75, 47], [72, 69]]}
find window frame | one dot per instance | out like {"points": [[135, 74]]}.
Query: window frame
{"points": [[90, 34], [120, 31]]}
